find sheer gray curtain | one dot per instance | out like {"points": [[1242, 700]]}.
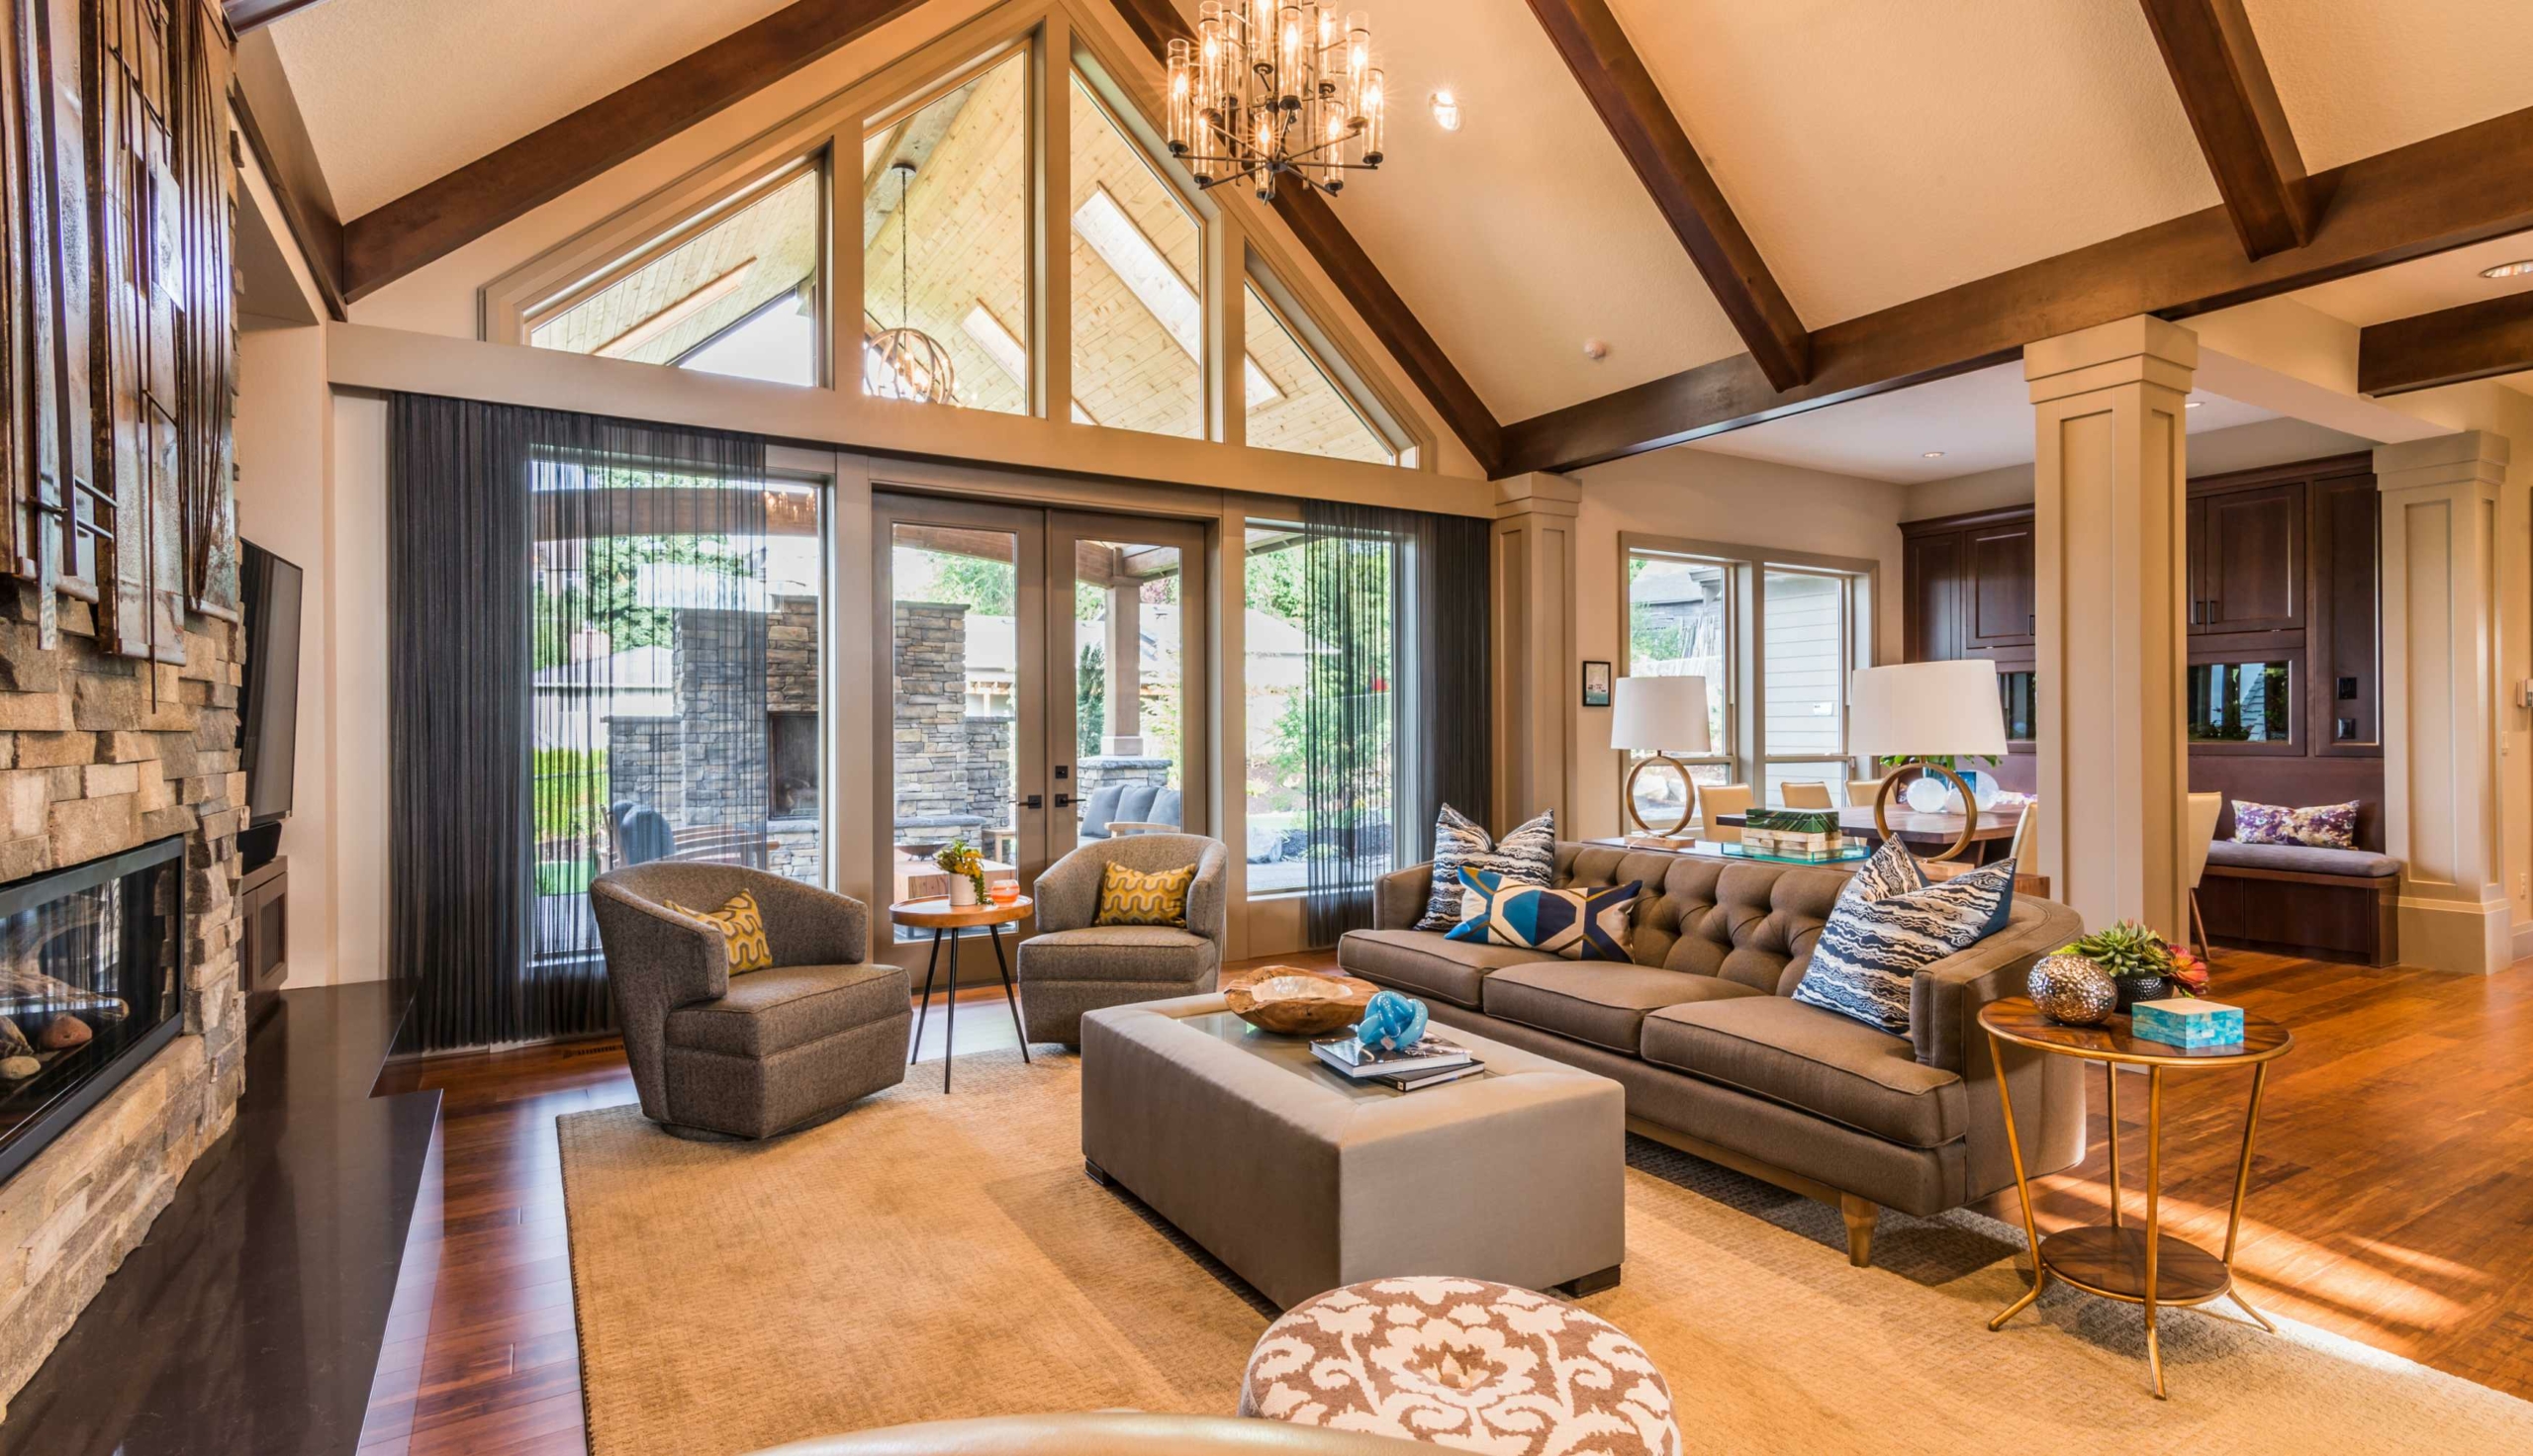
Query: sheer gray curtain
{"points": [[577, 617], [1395, 716]]}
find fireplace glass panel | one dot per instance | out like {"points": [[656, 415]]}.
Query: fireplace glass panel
{"points": [[89, 987]]}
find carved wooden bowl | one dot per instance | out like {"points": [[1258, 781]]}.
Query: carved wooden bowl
{"points": [[1296, 1002]]}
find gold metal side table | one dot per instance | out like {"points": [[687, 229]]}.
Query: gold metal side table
{"points": [[2118, 1260]]}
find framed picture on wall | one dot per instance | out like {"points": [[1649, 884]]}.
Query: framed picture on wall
{"points": [[1596, 685]]}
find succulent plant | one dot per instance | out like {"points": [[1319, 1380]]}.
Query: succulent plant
{"points": [[2127, 951]]}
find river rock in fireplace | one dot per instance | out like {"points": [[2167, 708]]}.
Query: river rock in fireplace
{"points": [[66, 1032], [19, 1068], [13, 1042]]}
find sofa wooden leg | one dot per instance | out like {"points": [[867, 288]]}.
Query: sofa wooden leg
{"points": [[1860, 1214]]}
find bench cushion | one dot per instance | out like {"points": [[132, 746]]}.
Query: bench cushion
{"points": [[1815, 1061], [2304, 859], [1598, 1002]]}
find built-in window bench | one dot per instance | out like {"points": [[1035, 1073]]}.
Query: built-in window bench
{"points": [[2297, 900]]}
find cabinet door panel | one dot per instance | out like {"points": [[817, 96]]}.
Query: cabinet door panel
{"points": [[1934, 577], [2001, 558], [2346, 521], [2252, 560]]}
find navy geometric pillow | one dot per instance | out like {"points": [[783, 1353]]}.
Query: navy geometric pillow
{"points": [[1577, 924], [1875, 943], [1527, 855]]}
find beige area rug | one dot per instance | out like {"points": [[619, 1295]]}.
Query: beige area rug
{"points": [[925, 1257]]}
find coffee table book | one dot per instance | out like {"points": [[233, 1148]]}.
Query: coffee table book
{"points": [[1413, 1081], [1358, 1061]]}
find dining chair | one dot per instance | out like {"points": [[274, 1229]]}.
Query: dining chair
{"points": [[2026, 836], [1805, 793], [2204, 809], [1717, 802], [1861, 792]]}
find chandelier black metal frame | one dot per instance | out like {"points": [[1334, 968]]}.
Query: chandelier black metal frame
{"points": [[1270, 89]]}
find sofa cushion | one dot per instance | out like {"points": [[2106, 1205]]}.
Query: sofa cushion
{"points": [[1100, 809], [1814, 1060], [1602, 1004], [1134, 804], [773, 1011], [1164, 955], [1421, 962], [2304, 859]]}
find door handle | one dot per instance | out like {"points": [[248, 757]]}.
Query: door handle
{"points": [[1063, 801], [1034, 801]]}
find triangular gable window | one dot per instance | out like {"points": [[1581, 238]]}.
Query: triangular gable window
{"points": [[1307, 406]]}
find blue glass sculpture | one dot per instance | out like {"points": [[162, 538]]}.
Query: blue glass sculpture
{"points": [[1391, 1020]]}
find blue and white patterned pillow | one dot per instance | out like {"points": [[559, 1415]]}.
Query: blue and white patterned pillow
{"points": [[1575, 924], [1877, 939], [1527, 855]]}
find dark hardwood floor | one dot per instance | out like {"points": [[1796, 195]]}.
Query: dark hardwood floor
{"points": [[2392, 1201]]}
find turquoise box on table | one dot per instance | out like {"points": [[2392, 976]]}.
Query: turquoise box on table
{"points": [[2181, 1021]]}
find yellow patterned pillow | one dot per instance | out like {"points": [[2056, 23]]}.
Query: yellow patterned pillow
{"points": [[1132, 897], [743, 926]]}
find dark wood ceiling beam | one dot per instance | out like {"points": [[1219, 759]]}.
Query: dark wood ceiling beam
{"points": [[2446, 192], [442, 217], [1156, 23], [2449, 346], [2224, 86], [1641, 122], [318, 237], [249, 15]]}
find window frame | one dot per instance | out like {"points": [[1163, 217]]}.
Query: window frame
{"points": [[1746, 753], [1630, 550]]}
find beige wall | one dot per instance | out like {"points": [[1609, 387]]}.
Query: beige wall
{"points": [[1712, 498]]}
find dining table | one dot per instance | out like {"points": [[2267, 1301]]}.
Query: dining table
{"points": [[1924, 833]]}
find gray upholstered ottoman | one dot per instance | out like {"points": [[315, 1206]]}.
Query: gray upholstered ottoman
{"points": [[1301, 1181]]}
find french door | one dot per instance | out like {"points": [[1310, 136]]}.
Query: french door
{"points": [[1044, 683]]}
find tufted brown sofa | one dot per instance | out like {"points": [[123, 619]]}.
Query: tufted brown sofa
{"points": [[1720, 1060]]}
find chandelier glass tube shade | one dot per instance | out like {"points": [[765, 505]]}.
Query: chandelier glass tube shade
{"points": [[1274, 88]]}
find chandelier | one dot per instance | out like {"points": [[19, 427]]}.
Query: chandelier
{"points": [[904, 362], [1269, 90]]}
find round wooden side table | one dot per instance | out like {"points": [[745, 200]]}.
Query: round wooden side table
{"points": [[2118, 1260], [940, 917]]}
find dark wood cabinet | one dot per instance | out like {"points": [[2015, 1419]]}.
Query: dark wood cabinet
{"points": [[1932, 567], [2248, 559], [1999, 592]]}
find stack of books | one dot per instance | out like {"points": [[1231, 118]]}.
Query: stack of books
{"points": [[1795, 833], [1430, 1062]]}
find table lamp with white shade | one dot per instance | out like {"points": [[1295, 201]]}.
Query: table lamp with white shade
{"points": [[1924, 711], [1661, 716]]}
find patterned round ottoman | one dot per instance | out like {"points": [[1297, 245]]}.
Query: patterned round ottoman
{"points": [[1464, 1363]]}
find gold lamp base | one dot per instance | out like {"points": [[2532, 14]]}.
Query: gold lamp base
{"points": [[1688, 800], [1891, 783]]}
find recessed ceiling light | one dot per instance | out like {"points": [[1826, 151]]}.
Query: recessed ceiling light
{"points": [[1447, 111], [2192, 404], [2516, 269], [1935, 454]]}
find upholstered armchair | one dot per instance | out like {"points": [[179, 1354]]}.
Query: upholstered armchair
{"points": [[1071, 965], [755, 1054]]}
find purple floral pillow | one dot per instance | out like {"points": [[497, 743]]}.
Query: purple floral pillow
{"points": [[2324, 827]]}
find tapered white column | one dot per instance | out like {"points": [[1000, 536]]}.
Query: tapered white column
{"points": [[1536, 681], [2110, 486], [2443, 697]]}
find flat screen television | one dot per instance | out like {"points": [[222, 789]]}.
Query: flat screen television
{"points": [[268, 703]]}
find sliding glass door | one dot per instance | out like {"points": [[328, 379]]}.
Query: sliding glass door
{"points": [[1044, 684]]}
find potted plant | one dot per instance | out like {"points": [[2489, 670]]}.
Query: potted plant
{"points": [[2142, 965], [966, 870]]}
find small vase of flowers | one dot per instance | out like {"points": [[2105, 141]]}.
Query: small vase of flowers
{"points": [[2142, 965], [966, 870]]}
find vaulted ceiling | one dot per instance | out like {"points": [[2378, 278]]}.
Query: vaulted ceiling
{"points": [[1874, 153]]}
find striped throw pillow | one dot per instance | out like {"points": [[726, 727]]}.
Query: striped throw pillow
{"points": [[1132, 897], [742, 929], [1878, 939], [1526, 856]]}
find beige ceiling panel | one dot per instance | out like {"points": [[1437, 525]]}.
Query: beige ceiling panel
{"points": [[2363, 76], [399, 92], [2424, 285], [1524, 233], [1878, 151]]}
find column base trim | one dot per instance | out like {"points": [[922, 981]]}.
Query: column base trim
{"points": [[2459, 936]]}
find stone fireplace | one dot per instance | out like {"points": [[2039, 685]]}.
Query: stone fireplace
{"points": [[101, 756]]}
